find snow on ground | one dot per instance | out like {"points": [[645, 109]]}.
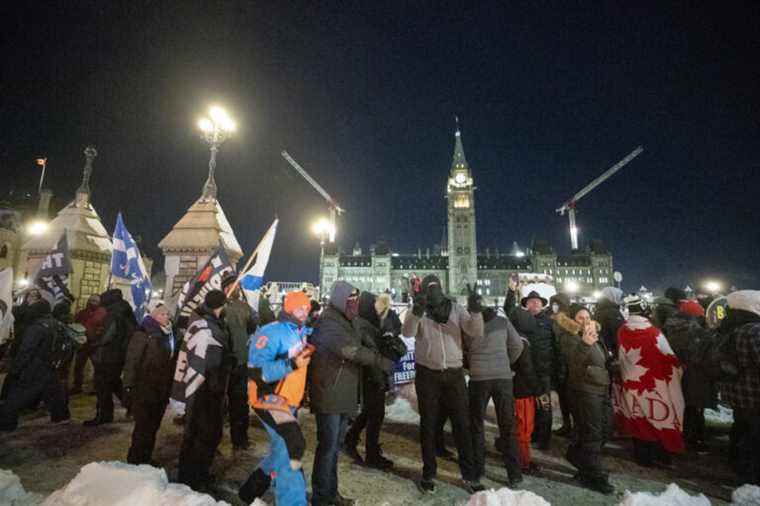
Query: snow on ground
{"points": [[673, 496], [506, 497], [746, 495], [721, 416], [12, 493], [120, 484]]}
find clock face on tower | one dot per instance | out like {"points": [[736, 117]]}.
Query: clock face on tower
{"points": [[460, 178]]}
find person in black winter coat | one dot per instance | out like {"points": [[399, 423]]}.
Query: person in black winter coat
{"points": [[109, 352], [21, 318], [204, 419], [532, 320], [333, 382], [148, 373], [33, 372], [375, 334]]}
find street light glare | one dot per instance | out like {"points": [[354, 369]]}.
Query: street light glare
{"points": [[218, 114], [37, 228], [205, 125], [571, 286], [712, 286], [322, 227]]}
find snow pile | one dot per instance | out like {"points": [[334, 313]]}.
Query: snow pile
{"points": [[721, 416], [119, 484], [12, 493], [746, 495], [402, 411], [506, 497], [673, 496]]}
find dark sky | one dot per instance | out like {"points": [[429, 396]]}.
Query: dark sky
{"points": [[549, 96]]}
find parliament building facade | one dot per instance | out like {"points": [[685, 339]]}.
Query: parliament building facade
{"points": [[458, 262]]}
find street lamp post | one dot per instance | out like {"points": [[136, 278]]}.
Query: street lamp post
{"points": [[215, 130], [323, 229]]}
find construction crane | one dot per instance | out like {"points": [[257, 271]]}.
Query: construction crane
{"points": [[570, 205], [335, 209]]}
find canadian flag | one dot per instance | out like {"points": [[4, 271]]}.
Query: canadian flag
{"points": [[648, 402]]}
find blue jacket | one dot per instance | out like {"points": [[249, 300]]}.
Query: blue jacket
{"points": [[274, 382]]}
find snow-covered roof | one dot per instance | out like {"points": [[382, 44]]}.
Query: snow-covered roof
{"points": [[202, 227], [83, 226]]}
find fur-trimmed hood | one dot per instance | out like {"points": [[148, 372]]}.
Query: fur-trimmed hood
{"points": [[566, 323]]}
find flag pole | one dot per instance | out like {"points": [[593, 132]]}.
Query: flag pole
{"points": [[42, 176]]}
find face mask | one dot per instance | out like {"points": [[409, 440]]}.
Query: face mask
{"points": [[352, 308], [435, 296], [555, 308], [625, 312]]}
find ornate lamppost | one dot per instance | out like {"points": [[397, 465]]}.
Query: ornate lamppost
{"points": [[215, 128]]}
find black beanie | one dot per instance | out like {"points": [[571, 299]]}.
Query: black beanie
{"points": [[675, 294], [215, 299]]}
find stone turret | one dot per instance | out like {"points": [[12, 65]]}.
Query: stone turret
{"points": [[193, 239], [89, 242]]}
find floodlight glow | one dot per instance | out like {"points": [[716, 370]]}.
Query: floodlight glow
{"points": [[596, 294], [712, 286], [205, 125], [23, 282], [571, 286], [37, 227]]}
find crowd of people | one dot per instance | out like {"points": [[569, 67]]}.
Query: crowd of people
{"points": [[622, 368]]}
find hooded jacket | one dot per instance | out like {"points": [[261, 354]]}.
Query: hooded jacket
{"points": [[439, 346], [31, 364], [150, 362], [491, 355], [242, 322], [118, 324], [538, 330], [611, 319], [586, 364], [339, 355]]}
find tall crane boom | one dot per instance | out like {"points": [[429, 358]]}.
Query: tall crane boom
{"points": [[569, 206], [331, 203]]}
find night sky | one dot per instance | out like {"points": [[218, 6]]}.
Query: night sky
{"points": [[364, 98]]}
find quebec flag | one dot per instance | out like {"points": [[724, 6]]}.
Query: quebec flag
{"points": [[252, 279], [127, 263]]}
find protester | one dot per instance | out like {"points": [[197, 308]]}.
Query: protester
{"points": [[532, 320], [682, 325], [588, 384], [204, 418], [333, 386], [62, 313], [33, 370], [277, 363], [114, 324], [607, 313], [148, 371], [649, 404], [379, 327], [742, 392], [242, 322], [438, 325], [526, 387], [85, 318], [490, 357], [560, 304]]}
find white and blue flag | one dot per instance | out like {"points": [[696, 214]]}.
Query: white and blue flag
{"points": [[252, 279], [127, 263]]}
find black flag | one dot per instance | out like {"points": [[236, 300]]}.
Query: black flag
{"points": [[207, 279], [53, 277]]}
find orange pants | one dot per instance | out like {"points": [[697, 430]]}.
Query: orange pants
{"points": [[525, 414]]}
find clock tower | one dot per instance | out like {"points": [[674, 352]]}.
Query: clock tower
{"points": [[463, 268]]}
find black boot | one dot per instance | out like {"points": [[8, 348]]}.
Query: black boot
{"points": [[254, 487]]}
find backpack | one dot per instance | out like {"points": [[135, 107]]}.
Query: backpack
{"points": [[715, 355]]}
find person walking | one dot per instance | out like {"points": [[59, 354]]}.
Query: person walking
{"points": [[277, 365], [84, 317]]}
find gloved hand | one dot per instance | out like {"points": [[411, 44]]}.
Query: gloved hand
{"points": [[126, 399], [474, 301], [418, 307], [393, 347]]}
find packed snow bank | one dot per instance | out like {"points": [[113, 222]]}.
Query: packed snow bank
{"points": [[746, 495], [673, 496], [12, 493], [506, 497], [119, 484], [720, 416]]}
